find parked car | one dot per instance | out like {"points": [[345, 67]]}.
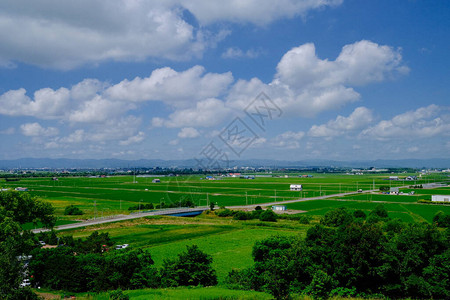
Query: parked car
{"points": [[25, 283], [42, 243], [118, 247]]}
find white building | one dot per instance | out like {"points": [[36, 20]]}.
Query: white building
{"points": [[278, 207], [296, 187], [440, 198]]}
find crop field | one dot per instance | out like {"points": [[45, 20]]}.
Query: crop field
{"points": [[229, 242], [114, 195], [407, 212]]}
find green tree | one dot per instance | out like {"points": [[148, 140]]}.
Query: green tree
{"points": [[384, 188], [192, 267], [441, 219], [337, 217], [16, 209]]}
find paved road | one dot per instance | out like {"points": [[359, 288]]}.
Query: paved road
{"points": [[182, 210], [116, 218], [252, 206]]}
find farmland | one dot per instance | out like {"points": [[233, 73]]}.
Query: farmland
{"points": [[229, 242], [99, 197]]}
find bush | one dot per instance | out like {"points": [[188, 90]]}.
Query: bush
{"points": [[72, 210], [118, 295], [268, 216], [303, 220], [225, 212], [241, 215], [384, 188]]}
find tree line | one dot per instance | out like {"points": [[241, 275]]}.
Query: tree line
{"points": [[351, 254]]}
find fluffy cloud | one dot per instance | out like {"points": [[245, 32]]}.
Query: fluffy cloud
{"points": [[179, 89], [188, 133], [288, 140], [359, 63], [133, 139], [206, 113], [424, 122], [260, 12], [47, 103], [36, 130], [36, 33], [360, 118], [99, 110], [305, 85], [118, 30]]}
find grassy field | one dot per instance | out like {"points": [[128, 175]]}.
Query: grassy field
{"points": [[407, 212], [172, 293], [112, 195], [229, 242]]}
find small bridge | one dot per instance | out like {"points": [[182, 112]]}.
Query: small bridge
{"points": [[176, 212]]}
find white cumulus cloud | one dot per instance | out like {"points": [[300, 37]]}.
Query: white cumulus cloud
{"points": [[188, 133], [424, 122], [36, 130], [360, 118], [305, 84], [175, 88]]}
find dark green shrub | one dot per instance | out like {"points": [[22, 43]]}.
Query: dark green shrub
{"points": [[72, 210], [268, 216]]}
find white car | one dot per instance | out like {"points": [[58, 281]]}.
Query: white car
{"points": [[42, 243], [25, 282], [121, 246]]}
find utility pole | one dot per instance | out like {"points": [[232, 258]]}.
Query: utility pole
{"points": [[373, 184], [246, 198], [95, 209], [275, 195]]}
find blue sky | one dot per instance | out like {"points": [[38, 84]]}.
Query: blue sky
{"points": [[288, 80]]}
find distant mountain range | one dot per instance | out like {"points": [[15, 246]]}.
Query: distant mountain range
{"points": [[66, 163]]}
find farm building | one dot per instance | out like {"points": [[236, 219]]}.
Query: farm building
{"points": [[440, 198], [296, 187], [156, 180], [279, 207], [21, 189]]}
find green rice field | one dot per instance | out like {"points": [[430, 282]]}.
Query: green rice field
{"points": [[105, 196]]}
